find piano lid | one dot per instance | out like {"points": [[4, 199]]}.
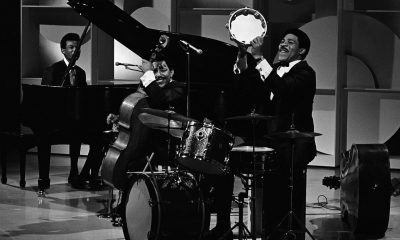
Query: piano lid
{"points": [[214, 66]]}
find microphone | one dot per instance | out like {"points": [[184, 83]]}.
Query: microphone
{"points": [[125, 64], [197, 50]]}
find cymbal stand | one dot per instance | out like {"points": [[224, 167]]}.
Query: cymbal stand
{"points": [[253, 181], [243, 230], [169, 141], [290, 233], [242, 195]]}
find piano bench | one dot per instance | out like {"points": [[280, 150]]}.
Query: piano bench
{"points": [[22, 141]]}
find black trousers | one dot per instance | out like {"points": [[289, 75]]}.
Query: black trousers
{"points": [[217, 192], [74, 137], [277, 188]]}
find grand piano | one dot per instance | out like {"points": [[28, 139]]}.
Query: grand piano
{"points": [[211, 79]]}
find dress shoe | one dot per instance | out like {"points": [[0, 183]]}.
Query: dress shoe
{"points": [[43, 184], [72, 176], [78, 182], [96, 184]]}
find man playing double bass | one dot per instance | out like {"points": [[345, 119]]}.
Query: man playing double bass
{"points": [[157, 90]]}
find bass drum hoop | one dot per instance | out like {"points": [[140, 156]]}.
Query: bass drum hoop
{"points": [[258, 19], [153, 192]]}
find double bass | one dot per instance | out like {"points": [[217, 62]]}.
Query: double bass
{"points": [[122, 140]]}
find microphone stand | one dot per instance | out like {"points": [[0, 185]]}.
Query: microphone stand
{"points": [[188, 87]]}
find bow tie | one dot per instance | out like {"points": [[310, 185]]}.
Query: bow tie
{"points": [[282, 64]]}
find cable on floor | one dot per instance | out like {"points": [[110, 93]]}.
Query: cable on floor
{"points": [[322, 204]]}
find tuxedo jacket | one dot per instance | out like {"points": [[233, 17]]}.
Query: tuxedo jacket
{"points": [[293, 97], [291, 103], [53, 75]]}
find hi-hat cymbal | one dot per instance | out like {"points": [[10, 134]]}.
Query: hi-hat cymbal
{"points": [[251, 116], [167, 114], [294, 134], [173, 127]]}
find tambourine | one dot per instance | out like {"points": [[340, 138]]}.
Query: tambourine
{"points": [[245, 24]]}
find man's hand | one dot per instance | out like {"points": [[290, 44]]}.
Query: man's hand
{"points": [[146, 66], [112, 118], [256, 47]]}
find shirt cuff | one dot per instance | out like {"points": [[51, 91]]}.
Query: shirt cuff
{"points": [[147, 78], [264, 69], [236, 70]]}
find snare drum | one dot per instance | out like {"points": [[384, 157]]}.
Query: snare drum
{"points": [[241, 159], [205, 148], [163, 206]]}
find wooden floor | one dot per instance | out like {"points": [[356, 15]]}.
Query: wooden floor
{"points": [[67, 213]]}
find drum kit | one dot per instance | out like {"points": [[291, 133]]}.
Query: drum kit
{"points": [[169, 204]]}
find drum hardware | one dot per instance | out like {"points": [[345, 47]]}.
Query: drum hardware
{"points": [[237, 124], [165, 120], [111, 212], [292, 135], [148, 164], [252, 117], [243, 231]]}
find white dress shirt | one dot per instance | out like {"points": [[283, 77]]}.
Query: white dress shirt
{"points": [[263, 67], [147, 78]]}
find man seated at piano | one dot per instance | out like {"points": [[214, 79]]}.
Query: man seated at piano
{"points": [[57, 75]]}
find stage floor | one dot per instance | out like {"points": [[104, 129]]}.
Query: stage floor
{"points": [[67, 213]]}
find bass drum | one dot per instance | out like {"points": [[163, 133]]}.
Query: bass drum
{"points": [[163, 206]]}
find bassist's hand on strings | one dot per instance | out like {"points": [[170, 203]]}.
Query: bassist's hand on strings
{"points": [[113, 119]]}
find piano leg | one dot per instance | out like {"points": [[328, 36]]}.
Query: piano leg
{"points": [[44, 149]]}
